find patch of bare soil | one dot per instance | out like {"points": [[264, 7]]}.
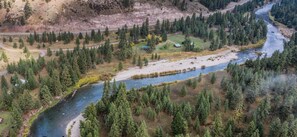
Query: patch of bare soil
{"points": [[287, 32]]}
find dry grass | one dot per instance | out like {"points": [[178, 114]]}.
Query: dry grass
{"points": [[175, 56]]}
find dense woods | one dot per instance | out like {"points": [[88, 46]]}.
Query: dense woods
{"points": [[286, 12], [216, 4], [257, 99]]}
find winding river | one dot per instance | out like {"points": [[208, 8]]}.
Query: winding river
{"points": [[53, 122]]}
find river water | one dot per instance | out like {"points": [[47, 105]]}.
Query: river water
{"points": [[53, 122]]}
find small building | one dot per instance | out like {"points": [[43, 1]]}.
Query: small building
{"points": [[177, 45], [1, 120]]}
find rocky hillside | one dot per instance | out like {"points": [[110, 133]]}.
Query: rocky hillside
{"points": [[59, 15]]}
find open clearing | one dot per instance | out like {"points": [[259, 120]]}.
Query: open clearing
{"points": [[6, 120], [179, 38]]}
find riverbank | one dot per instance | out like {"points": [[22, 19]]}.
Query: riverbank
{"points": [[71, 90], [72, 129], [167, 65], [287, 32], [259, 44]]}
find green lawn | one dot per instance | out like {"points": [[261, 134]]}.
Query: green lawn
{"points": [[179, 38], [168, 46], [6, 122]]}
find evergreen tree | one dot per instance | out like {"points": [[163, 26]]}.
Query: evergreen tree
{"points": [[213, 78], [4, 84], [66, 77], [207, 133], [106, 32], [218, 126], [31, 81], [142, 130], [27, 10], [49, 52], [56, 86], [199, 78], [16, 120], [183, 91], [179, 125], [159, 132], [45, 95], [275, 127], [120, 66], [139, 62]]}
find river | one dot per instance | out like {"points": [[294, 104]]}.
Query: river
{"points": [[53, 122]]}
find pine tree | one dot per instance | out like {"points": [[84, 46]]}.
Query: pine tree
{"points": [[157, 27], [145, 61], [200, 78], [183, 91], [251, 129], [27, 10], [65, 77], [218, 126], [159, 132], [56, 86], [195, 84], [77, 42], [134, 60], [207, 133], [16, 114], [31, 81], [213, 78], [49, 52], [139, 62], [106, 32], [197, 125], [229, 132], [120, 66], [179, 125], [142, 130], [4, 84], [26, 101], [45, 95], [275, 127], [31, 39]]}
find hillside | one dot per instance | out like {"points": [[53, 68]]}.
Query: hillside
{"points": [[62, 15]]}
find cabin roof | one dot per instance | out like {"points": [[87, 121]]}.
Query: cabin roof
{"points": [[177, 45]]}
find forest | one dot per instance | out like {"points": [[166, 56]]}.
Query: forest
{"points": [[285, 12], [52, 76], [253, 100], [216, 4]]}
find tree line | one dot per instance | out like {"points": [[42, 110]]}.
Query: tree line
{"points": [[216, 4], [286, 12]]}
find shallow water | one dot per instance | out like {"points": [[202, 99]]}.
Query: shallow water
{"points": [[53, 122]]}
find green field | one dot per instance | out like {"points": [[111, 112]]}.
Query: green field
{"points": [[6, 122], [168, 46], [179, 38]]}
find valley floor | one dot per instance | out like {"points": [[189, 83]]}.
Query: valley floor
{"points": [[224, 56]]}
